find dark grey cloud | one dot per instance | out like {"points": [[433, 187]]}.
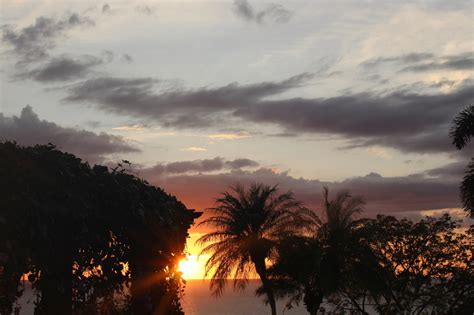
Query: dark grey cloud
{"points": [[28, 129], [106, 9], [422, 62], [452, 170], [137, 97], [63, 68], [274, 13], [383, 194], [195, 166], [458, 62], [403, 59], [127, 58], [34, 42], [408, 121]]}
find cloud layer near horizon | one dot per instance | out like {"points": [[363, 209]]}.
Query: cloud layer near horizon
{"points": [[425, 191], [28, 129]]}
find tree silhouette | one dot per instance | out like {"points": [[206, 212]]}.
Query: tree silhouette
{"points": [[311, 267], [461, 132], [74, 229], [463, 127], [248, 225], [424, 267]]}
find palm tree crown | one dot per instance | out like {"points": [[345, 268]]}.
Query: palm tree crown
{"points": [[248, 225], [461, 132], [463, 127]]}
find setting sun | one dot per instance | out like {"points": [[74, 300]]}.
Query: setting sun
{"points": [[190, 267]]}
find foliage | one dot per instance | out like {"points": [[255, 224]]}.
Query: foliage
{"points": [[85, 234], [461, 132], [311, 267], [423, 267], [463, 127], [467, 188], [249, 223], [392, 266]]}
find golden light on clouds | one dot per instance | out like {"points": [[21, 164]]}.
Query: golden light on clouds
{"points": [[194, 149], [229, 136]]}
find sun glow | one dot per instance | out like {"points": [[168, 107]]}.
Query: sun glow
{"points": [[190, 267]]}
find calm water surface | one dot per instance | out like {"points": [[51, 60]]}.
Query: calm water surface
{"points": [[198, 301]]}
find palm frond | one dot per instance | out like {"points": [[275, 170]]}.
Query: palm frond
{"points": [[463, 127]]}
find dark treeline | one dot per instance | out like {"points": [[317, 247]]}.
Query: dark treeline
{"points": [[86, 236], [386, 265]]}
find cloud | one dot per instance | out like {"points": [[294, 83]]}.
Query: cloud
{"points": [[274, 13], [403, 59], [196, 166], [106, 9], [195, 149], [452, 170], [407, 121], [28, 129], [63, 68], [33, 42], [127, 58], [130, 128], [383, 194], [422, 62], [137, 97], [458, 62], [229, 136], [144, 9]]}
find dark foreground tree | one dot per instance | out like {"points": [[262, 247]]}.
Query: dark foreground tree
{"points": [[248, 226], [424, 268], [312, 266], [462, 132], [86, 236]]}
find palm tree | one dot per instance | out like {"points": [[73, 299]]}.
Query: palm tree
{"points": [[463, 127], [336, 234], [462, 132], [309, 267], [248, 224]]}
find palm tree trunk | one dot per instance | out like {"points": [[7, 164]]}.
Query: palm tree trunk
{"points": [[312, 299], [262, 273]]}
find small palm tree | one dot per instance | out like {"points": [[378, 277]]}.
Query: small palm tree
{"points": [[336, 234], [309, 266], [462, 132], [248, 225]]}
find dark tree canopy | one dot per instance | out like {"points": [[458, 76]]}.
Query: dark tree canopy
{"points": [[423, 267], [85, 234], [386, 265]]}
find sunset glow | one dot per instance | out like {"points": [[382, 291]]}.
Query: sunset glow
{"points": [[236, 157], [190, 267]]}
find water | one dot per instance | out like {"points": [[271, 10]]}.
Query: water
{"points": [[198, 301]]}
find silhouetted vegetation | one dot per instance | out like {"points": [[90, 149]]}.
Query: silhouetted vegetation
{"points": [[94, 240], [86, 236], [248, 226], [462, 132], [386, 265]]}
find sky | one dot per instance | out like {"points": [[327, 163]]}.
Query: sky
{"points": [[199, 95]]}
